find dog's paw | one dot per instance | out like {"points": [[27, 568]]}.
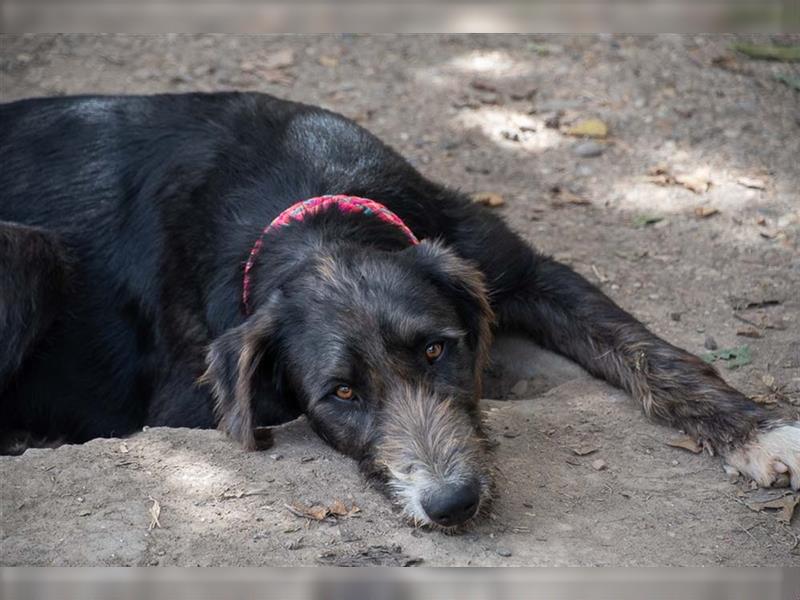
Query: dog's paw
{"points": [[769, 455]]}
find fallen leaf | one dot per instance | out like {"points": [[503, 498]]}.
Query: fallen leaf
{"points": [[490, 199], [281, 59], [776, 499], [329, 61], [661, 179], [697, 181], [562, 197], [749, 333], [687, 443], [645, 220], [338, 508], [743, 303], [729, 63], [594, 128], [483, 85], [277, 76], [318, 512], [704, 212], [752, 182], [733, 357], [765, 52], [585, 450], [155, 513]]}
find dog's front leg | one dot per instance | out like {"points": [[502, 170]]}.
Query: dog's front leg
{"points": [[567, 314]]}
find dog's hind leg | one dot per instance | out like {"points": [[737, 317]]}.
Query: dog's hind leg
{"points": [[34, 276], [563, 312]]}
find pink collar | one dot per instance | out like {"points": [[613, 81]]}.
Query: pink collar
{"points": [[312, 206]]}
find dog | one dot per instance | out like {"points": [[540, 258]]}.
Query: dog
{"points": [[235, 260]]}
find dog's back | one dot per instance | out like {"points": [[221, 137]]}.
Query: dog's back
{"points": [[152, 199]]}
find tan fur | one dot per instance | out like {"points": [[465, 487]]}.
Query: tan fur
{"points": [[474, 281], [429, 442]]}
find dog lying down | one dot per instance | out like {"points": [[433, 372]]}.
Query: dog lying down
{"points": [[233, 260]]}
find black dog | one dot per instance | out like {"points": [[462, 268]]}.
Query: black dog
{"points": [[130, 227]]}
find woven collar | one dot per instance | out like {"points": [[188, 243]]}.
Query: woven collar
{"points": [[312, 206]]}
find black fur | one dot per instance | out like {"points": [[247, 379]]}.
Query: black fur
{"points": [[125, 223]]}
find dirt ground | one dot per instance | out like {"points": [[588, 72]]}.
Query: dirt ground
{"points": [[488, 114]]}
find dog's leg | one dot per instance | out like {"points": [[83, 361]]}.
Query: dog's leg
{"points": [[563, 312], [34, 274]]}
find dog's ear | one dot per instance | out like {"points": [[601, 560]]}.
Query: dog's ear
{"points": [[464, 283], [233, 360]]}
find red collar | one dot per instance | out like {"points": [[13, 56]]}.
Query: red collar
{"points": [[312, 206]]}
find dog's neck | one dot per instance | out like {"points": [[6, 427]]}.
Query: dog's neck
{"points": [[307, 211]]}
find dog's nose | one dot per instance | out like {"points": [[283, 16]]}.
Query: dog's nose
{"points": [[453, 504]]}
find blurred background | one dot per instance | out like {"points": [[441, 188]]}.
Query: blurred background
{"points": [[307, 16]]}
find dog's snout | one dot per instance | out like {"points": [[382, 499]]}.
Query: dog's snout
{"points": [[453, 504]]}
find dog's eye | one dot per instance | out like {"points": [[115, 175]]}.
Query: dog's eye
{"points": [[434, 351], [344, 392]]}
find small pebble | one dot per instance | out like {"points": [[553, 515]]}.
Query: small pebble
{"points": [[588, 149], [674, 463], [504, 552], [710, 343], [675, 316], [599, 465]]}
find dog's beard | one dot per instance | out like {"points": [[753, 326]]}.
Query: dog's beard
{"points": [[427, 445]]}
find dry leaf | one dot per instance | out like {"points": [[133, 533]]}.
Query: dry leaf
{"points": [[660, 179], [594, 128], [329, 61], [752, 182], [781, 499], [686, 443], [705, 211], [155, 513], [320, 513], [483, 85], [490, 199], [698, 181], [750, 333], [585, 450], [281, 59], [278, 77], [562, 196]]}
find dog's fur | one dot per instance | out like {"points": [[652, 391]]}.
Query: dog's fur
{"points": [[125, 223]]}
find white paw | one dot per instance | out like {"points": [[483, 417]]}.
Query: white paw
{"points": [[770, 454]]}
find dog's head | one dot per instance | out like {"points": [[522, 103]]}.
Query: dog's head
{"points": [[383, 351]]}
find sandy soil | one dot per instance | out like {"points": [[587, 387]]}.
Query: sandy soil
{"points": [[480, 112]]}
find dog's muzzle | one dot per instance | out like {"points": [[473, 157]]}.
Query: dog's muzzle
{"points": [[435, 459]]}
